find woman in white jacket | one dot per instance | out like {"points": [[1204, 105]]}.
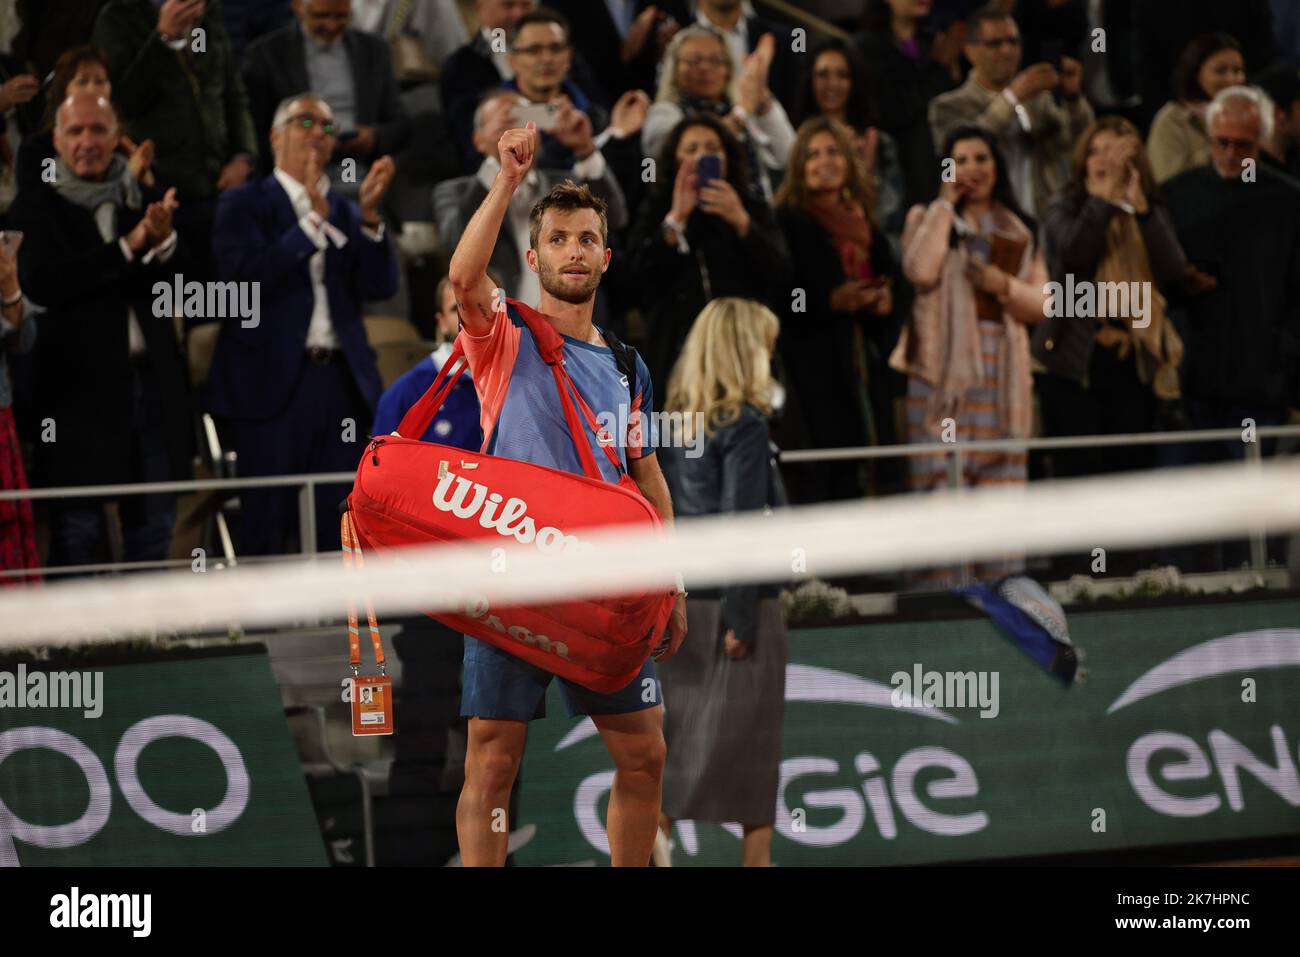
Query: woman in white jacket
{"points": [[698, 76]]}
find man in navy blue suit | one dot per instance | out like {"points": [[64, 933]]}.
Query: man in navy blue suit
{"points": [[297, 383]]}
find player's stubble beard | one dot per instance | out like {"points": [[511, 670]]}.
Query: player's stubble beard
{"points": [[553, 283]]}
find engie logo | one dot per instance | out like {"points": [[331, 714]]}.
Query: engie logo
{"points": [[1160, 757], [885, 793]]}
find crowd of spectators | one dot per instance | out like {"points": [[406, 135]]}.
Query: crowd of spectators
{"points": [[903, 190]]}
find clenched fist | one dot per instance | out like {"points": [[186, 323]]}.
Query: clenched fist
{"points": [[517, 150]]}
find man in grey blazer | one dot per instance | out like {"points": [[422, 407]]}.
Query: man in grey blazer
{"points": [[455, 200], [349, 69]]}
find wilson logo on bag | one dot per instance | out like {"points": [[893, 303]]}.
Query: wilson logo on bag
{"points": [[409, 492]]}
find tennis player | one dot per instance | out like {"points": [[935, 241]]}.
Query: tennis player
{"points": [[523, 419]]}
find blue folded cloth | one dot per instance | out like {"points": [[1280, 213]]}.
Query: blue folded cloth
{"points": [[1032, 619]]}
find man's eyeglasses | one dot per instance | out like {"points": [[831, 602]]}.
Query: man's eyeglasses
{"points": [[695, 62], [554, 49], [994, 42], [1226, 143], [306, 121]]}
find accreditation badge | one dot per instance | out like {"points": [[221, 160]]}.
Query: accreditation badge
{"points": [[372, 705]]}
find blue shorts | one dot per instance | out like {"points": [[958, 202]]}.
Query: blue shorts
{"points": [[499, 685]]}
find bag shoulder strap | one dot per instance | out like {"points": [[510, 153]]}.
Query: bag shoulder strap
{"points": [[416, 421], [625, 359], [550, 344]]}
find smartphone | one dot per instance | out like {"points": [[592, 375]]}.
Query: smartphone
{"points": [[979, 248], [541, 114], [707, 169], [11, 239]]}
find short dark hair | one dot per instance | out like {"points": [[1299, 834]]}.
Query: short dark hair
{"points": [[566, 197], [65, 69], [540, 15], [1184, 82], [988, 13]]}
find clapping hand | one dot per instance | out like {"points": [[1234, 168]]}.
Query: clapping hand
{"points": [[753, 75], [139, 159], [312, 173], [638, 33], [374, 187], [158, 218], [630, 112], [155, 226]]}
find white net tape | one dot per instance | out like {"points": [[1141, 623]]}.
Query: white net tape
{"points": [[1136, 509]]}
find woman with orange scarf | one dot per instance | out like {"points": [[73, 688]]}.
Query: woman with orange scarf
{"points": [[838, 326]]}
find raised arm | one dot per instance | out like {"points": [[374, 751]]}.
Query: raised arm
{"points": [[468, 270]]}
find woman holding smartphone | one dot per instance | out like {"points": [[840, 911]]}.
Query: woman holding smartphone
{"points": [[979, 278], [699, 234], [837, 337]]}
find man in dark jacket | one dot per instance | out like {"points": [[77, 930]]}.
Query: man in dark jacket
{"points": [[1239, 223], [349, 69], [298, 382], [484, 63], [903, 81], [112, 397], [175, 82]]}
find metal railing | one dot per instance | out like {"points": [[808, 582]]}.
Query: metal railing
{"points": [[306, 483], [1253, 453]]}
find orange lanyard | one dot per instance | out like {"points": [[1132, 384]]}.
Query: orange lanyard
{"points": [[352, 558]]}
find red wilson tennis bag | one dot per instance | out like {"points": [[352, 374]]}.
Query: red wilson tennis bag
{"points": [[409, 492]]}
